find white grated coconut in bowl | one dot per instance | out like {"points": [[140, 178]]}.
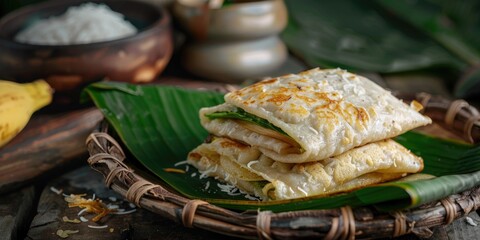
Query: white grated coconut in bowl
{"points": [[82, 24]]}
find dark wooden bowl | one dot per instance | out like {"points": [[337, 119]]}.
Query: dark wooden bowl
{"points": [[68, 68]]}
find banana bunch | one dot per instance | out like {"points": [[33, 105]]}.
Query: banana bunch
{"points": [[17, 104]]}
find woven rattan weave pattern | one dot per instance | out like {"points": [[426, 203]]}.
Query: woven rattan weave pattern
{"points": [[108, 158]]}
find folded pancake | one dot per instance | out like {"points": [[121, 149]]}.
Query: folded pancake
{"points": [[255, 173], [312, 115]]}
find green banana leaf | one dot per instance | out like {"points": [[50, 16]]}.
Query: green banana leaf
{"points": [[159, 125], [455, 25], [353, 35], [452, 24]]}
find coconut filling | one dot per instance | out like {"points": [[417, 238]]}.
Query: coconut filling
{"points": [[211, 163], [248, 177]]}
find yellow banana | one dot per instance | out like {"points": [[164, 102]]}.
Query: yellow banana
{"points": [[17, 104]]}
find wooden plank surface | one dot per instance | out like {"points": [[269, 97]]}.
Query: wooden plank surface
{"points": [[462, 229], [138, 225], [48, 143], [16, 211], [457, 230]]}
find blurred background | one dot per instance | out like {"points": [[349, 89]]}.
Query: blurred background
{"points": [[431, 45]]}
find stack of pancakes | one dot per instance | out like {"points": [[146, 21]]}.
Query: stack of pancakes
{"points": [[318, 132]]}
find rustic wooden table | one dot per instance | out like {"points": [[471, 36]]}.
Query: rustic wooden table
{"points": [[49, 209], [50, 156]]}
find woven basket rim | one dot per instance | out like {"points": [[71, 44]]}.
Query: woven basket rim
{"points": [[108, 158]]}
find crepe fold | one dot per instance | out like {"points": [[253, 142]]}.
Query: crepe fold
{"points": [[312, 115], [316, 133], [252, 171]]}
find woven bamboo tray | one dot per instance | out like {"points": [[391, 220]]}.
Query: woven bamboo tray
{"points": [[136, 185]]}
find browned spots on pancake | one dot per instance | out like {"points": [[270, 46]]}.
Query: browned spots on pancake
{"points": [[362, 114], [195, 155], [229, 144], [250, 102], [299, 84], [321, 112], [327, 97], [279, 99], [269, 81], [297, 110], [306, 99], [261, 96], [287, 90], [253, 89], [262, 83], [350, 111], [355, 116]]}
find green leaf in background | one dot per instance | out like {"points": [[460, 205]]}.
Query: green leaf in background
{"points": [[455, 25], [352, 34], [159, 125], [469, 84], [450, 23]]}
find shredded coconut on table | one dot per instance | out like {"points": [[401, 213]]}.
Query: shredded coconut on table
{"points": [[85, 23]]}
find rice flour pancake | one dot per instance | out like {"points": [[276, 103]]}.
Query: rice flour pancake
{"points": [[253, 172], [312, 115]]}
